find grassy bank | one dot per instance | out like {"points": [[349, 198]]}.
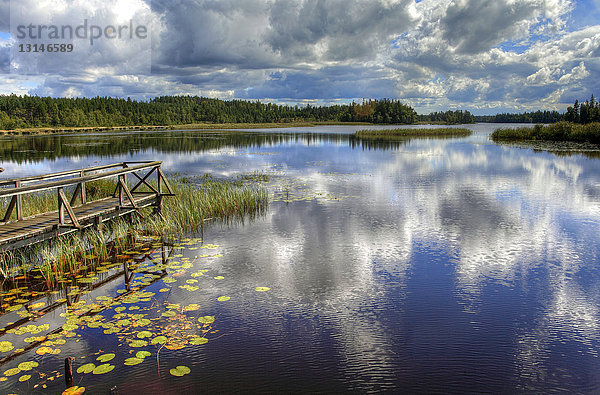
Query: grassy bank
{"points": [[407, 132], [561, 131], [197, 200], [191, 126]]}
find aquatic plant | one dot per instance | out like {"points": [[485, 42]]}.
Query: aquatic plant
{"points": [[410, 132], [561, 131]]}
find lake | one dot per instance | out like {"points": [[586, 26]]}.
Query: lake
{"points": [[424, 265]]}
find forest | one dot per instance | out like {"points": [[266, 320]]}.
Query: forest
{"points": [[33, 111]]}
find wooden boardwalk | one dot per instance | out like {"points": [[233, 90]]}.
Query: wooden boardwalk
{"points": [[69, 218]]}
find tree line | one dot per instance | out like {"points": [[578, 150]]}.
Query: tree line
{"points": [[449, 117], [585, 112], [33, 111]]}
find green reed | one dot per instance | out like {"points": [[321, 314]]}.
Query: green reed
{"points": [[561, 131]]}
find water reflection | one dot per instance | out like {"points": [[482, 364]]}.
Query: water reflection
{"points": [[426, 265]]}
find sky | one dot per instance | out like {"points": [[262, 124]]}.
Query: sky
{"points": [[477, 55]]}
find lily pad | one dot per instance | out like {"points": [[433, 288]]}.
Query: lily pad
{"points": [[106, 357], [262, 289], [223, 298], [219, 278], [180, 371], [6, 346], [12, 372], [69, 327], [28, 365], [104, 368], [142, 354], [75, 390], [87, 368], [159, 340], [144, 334], [191, 307], [138, 343], [197, 340], [207, 319], [133, 361], [25, 377]]}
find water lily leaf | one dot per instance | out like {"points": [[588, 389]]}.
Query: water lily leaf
{"points": [[87, 368], [138, 343], [169, 280], [164, 290], [175, 306], [262, 289], [180, 371], [169, 313], [142, 354], [191, 307], [223, 298], [6, 346], [25, 377], [133, 361], [144, 334], [75, 390], [143, 322], [197, 340], [219, 278], [159, 340], [191, 281], [104, 368], [43, 350], [120, 308], [28, 365], [69, 327], [37, 305], [12, 372], [105, 357], [207, 319]]}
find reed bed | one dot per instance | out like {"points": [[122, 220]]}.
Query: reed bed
{"points": [[196, 200], [409, 132], [561, 131]]}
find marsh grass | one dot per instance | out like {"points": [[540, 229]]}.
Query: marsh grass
{"points": [[196, 200], [408, 132], [561, 131]]}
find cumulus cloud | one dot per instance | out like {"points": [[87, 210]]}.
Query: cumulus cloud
{"points": [[434, 54]]}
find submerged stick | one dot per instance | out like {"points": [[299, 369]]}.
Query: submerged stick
{"points": [[69, 371]]}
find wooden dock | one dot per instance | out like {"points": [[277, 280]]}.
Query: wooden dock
{"points": [[17, 231]]}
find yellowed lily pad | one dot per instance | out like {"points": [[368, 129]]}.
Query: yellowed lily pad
{"points": [[133, 361], [180, 371], [144, 334], [87, 368], [207, 319], [262, 289], [197, 340], [104, 368], [28, 365], [159, 340], [75, 390], [223, 298], [105, 357], [6, 346], [12, 372], [142, 354], [138, 343], [25, 377]]}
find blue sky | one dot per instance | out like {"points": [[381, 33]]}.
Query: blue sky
{"points": [[484, 56]]}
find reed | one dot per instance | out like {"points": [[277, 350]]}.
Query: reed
{"points": [[196, 200], [408, 132], [560, 131]]}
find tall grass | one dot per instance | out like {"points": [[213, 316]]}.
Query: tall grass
{"points": [[196, 200], [408, 132], [561, 131]]}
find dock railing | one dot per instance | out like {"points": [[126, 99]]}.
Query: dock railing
{"points": [[16, 188]]}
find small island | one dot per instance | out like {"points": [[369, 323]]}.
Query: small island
{"points": [[561, 131], [391, 134]]}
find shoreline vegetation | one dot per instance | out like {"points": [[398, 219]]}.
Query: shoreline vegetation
{"points": [[197, 200], [561, 131], [407, 132]]}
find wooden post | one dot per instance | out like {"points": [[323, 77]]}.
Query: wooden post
{"points": [[83, 195], [69, 371], [19, 202], [61, 208], [120, 191]]}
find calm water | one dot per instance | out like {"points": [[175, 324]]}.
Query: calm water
{"points": [[430, 265]]}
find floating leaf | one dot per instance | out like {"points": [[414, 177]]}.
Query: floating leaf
{"points": [[105, 357], [133, 361], [12, 372], [69, 327], [104, 368], [191, 281], [197, 340], [180, 371], [37, 305], [169, 280], [143, 322], [25, 377], [120, 308], [262, 289], [87, 368], [223, 298], [28, 365], [142, 354], [75, 390], [207, 319], [138, 343], [169, 313], [6, 346], [43, 350], [159, 340], [219, 278], [144, 334], [191, 307], [164, 290]]}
